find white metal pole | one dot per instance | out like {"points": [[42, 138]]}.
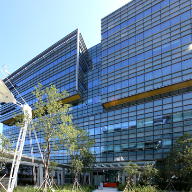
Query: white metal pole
{"points": [[21, 140]]}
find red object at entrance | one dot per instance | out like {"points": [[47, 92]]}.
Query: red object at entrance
{"points": [[109, 184]]}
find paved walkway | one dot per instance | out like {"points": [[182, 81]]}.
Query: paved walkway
{"points": [[106, 189]]}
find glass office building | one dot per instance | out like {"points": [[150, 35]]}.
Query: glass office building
{"points": [[132, 91]]}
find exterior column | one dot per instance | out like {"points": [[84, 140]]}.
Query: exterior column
{"points": [[63, 176], [40, 175], [84, 178], [123, 179], [34, 176], [89, 178], [135, 179], [58, 177]]}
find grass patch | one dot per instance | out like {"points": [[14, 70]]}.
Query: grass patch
{"points": [[63, 188]]}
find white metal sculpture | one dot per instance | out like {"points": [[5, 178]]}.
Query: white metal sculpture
{"points": [[7, 97], [6, 71], [19, 147]]}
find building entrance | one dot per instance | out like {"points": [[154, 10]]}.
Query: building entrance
{"points": [[108, 176]]}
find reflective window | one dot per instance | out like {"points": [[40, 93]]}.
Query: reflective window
{"points": [[132, 60], [111, 69], [89, 85], [140, 57], [91, 131], [166, 47], [124, 63], [111, 50], [124, 83], [104, 71], [125, 125], [167, 142], [117, 47], [132, 81], [177, 117], [110, 88], [186, 64], [157, 50], [165, 24], [156, 7], [148, 54], [175, 43], [124, 24], [132, 124], [186, 39], [156, 29], [118, 86], [185, 15], [140, 123], [176, 67], [140, 78], [124, 43], [97, 130], [117, 66], [104, 90], [147, 12], [187, 115], [96, 82], [131, 40], [139, 16], [139, 36], [175, 20]]}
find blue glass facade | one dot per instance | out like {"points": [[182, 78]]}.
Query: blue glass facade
{"points": [[132, 91]]}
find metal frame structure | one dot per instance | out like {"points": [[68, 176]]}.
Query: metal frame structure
{"points": [[19, 147], [7, 97]]}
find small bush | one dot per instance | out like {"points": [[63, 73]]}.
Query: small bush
{"points": [[121, 187], [146, 189], [179, 186]]}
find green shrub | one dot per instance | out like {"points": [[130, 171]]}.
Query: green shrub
{"points": [[146, 189], [179, 186], [140, 188], [121, 187]]}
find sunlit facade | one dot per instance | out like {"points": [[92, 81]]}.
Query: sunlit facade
{"points": [[132, 91]]}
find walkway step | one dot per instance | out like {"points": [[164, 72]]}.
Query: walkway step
{"points": [[106, 189]]}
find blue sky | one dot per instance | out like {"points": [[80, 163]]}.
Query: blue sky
{"points": [[29, 27]]}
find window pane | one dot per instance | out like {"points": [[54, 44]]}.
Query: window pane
{"points": [[140, 78], [124, 83], [118, 86], [111, 68], [177, 117], [110, 88], [166, 70], [132, 81]]}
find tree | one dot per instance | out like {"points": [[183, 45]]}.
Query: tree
{"points": [[5, 148], [147, 173], [181, 155], [178, 163], [80, 150], [131, 170], [88, 159], [53, 122], [168, 169], [52, 169]]}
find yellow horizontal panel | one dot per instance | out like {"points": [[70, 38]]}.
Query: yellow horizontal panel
{"points": [[149, 94], [72, 98], [66, 100], [8, 121]]}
